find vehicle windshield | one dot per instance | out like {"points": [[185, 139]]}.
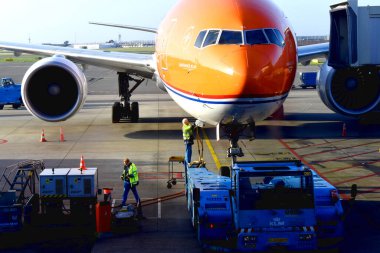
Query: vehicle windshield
{"points": [[7, 82], [285, 190]]}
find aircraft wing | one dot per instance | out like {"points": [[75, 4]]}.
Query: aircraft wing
{"points": [[309, 52], [131, 63]]}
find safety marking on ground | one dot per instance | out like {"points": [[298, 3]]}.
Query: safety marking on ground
{"points": [[336, 149], [3, 141], [319, 144], [343, 157], [160, 175], [211, 149], [362, 164], [356, 178], [343, 195], [159, 208]]}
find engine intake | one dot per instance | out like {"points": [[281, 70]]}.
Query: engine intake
{"points": [[54, 89], [350, 91]]}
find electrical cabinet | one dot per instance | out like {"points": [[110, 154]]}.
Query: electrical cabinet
{"points": [[82, 183], [53, 182]]}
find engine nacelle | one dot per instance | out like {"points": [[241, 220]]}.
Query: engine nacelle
{"points": [[54, 89], [350, 91]]}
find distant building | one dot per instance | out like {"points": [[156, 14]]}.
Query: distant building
{"points": [[308, 40], [96, 45]]}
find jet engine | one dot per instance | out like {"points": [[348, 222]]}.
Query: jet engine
{"points": [[352, 91], [54, 89]]}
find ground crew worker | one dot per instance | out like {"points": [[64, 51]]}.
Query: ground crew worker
{"points": [[188, 138], [131, 180]]}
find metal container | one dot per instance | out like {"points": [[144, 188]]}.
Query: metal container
{"points": [[53, 182], [82, 184]]}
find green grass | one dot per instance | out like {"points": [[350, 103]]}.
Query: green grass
{"points": [[9, 57]]}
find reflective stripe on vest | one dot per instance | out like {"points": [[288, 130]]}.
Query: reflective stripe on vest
{"points": [[187, 131]]}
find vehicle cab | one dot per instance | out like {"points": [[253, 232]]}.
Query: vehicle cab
{"points": [[10, 93]]}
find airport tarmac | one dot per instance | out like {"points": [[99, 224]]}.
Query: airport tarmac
{"points": [[309, 131]]}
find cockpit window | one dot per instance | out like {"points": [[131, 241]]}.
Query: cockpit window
{"points": [[272, 37], [279, 35], [255, 37], [251, 37], [231, 37], [201, 36], [211, 38]]}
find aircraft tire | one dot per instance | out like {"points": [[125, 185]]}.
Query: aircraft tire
{"points": [[135, 112], [116, 112]]}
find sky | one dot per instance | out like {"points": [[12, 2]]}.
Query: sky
{"points": [[47, 21]]}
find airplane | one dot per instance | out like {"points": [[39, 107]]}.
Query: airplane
{"points": [[227, 63]]}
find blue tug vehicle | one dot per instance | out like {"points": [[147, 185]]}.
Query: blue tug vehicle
{"points": [[260, 206]]}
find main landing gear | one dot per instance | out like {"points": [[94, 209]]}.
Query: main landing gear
{"points": [[125, 109]]}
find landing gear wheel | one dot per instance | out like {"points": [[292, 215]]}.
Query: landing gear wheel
{"points": [[174, 182], [134, 112], [116, 112], [1, 107], [16, 106], [169, 185]]}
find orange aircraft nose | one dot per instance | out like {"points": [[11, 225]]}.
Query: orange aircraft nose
{"points": [[257, 71]]}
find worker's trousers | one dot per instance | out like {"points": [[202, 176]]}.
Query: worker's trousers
{"points": [[127, 187], [188, 153]]}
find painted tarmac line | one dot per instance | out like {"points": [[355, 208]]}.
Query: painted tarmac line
{"points": [[342, 157], [351, 167], [320, 144], [211, 149], [159, 209], [343, 195], [328, 151], [357, 178]]}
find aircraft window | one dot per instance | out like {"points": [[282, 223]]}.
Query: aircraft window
{"points": [[231, 37], [279, 35], [211, 38], [255, 37], [272, 37], [201, 36]]}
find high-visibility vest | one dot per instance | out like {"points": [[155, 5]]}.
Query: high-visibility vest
{"points": [[132, 173], [187, 131]]}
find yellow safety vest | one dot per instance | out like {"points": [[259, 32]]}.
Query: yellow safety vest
{"points": [[132, 173], [187, 131]]}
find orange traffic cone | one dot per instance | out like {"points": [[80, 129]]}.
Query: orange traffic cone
{"points": [[43, 136], [61, 136], [82, 165], [344, 130]]}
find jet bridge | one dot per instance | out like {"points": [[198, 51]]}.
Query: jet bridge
{"points": [[354, 35]]}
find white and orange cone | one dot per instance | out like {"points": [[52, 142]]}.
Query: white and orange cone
{"points": [[344, 130], [82, 165], [43, 139], [61, 135]]}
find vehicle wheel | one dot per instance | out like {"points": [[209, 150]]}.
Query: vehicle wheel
{"points": [[134, 112], [174, 182], [169, 185], [116, 112], [225, 171], [16, 106], [1, 107]]}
